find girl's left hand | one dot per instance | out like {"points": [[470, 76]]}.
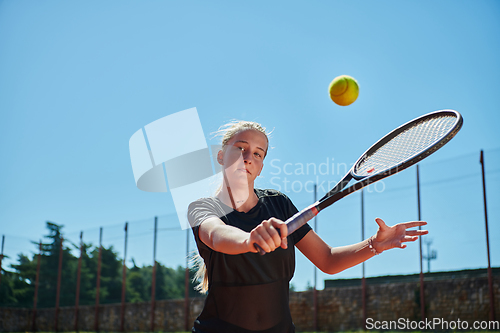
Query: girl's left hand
{"points": [[391, 237]]}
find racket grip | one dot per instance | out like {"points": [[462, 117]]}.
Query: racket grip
{"points": [[295, 222], [301, 218], [261, 250]]}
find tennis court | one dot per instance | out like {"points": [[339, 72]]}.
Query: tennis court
{"points": [[110, 116]]}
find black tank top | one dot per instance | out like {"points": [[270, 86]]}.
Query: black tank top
{"points": [[247, 292]]}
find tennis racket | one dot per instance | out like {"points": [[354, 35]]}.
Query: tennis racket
{"points": [[398, 150]]}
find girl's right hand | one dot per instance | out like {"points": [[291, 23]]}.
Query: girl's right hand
{"points": [[266, 235]]}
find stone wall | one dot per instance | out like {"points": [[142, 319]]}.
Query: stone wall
{"points": [[169, 317], [449, 296], [339, 307]]}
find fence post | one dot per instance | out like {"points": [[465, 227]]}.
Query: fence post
{"points": [[490, 276], [78, 275], [124, 281], [98, 283], [1, 258], [58, 292], [186, 285], [35, 298], [315, 289], [153, 282], [363, 280], [422, 290]]}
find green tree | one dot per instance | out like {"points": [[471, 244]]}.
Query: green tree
{"points": [[87, 276], [17, 287], [172, 283], [24, 279], [136, 286], [49, 268], [110, 279], [7, 296], [25, 273]]}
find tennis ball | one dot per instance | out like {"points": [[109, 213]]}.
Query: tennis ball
{"points": [[344, 90]]}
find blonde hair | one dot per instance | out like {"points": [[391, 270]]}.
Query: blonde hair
{"points": [[232, 128], [227, 132], [201, 274]]}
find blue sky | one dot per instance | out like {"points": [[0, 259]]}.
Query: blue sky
{"points": [[77, 79]]}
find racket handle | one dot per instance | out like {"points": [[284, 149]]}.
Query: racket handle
{"points": [[261, 250], [301, 218], [295, 222]]}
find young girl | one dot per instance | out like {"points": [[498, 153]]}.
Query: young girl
{"points": [[248, 292]]}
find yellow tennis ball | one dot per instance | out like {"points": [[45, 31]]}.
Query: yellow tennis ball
{"points": [[344, 90]]}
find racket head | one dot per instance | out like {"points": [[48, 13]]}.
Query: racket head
{"points": [[408, 144]]}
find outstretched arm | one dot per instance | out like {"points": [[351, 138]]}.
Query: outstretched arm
{"points": [[334, 260], [227, 239]]}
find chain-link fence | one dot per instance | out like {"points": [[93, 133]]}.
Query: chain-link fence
{"points": [[451, 200]]}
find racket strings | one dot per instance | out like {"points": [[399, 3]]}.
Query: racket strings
{"points": [[407, 144]]}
